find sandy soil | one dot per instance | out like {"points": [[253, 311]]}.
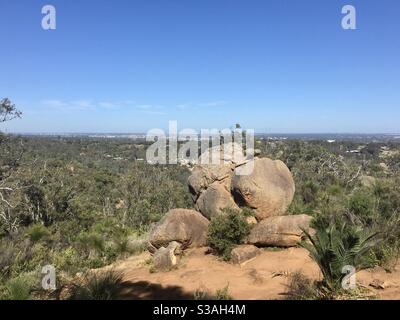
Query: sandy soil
{"points": [[255, 280]]}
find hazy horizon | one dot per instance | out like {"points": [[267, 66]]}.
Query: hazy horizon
{"points": [[272, 66], [166, 131]]}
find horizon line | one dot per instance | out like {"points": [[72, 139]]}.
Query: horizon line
{"points": [[256, 133]]}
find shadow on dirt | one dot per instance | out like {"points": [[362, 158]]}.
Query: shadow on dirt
{"points": [[143, 290]]}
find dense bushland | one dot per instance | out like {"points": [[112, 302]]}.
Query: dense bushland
{"points": [[81, 203], [68, 203]]}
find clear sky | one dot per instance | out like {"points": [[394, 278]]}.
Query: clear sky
{"points": [[271, 65]]}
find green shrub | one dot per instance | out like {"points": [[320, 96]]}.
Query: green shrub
{"points": [[301, 288], [98, 286], [388, 197], [247, 212], [386, 255], [334, 190], [362, 205], [92, 241], [223, 294], [37, 232], [68, 260], [226, 231], [36, 255], [122, 246], [109, 227], [20, 288]]}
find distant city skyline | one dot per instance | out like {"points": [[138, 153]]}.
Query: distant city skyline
{"points": [[273, 66]]}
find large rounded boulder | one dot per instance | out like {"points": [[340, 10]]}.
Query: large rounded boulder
{"points": [[187, 227], [283, 231], [214, 199], [204, 175], [267, 187]]}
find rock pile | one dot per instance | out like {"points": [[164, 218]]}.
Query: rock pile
{"points": [[268, 189]]}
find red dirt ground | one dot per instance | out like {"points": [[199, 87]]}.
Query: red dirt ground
{"points": [[198, 271]]}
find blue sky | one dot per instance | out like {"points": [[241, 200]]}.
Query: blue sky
{"points": [[274, 66]]}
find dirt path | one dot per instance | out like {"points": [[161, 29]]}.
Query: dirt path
{"points": [[253, 281]]}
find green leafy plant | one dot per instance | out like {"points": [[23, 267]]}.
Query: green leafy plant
{"points": [[362, 205], [92, 241], [226, 231], [38, 232], [223, 294], [247, 212], [97, 286], [301, 288], [20, 288], [334, 248]]}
